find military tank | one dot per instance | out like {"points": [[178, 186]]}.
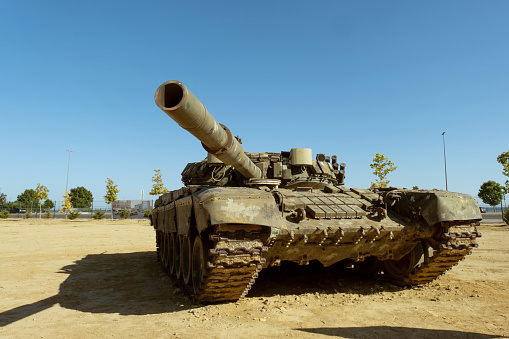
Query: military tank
{"points": [[240, 212]]}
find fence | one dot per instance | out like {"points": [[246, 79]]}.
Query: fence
{"points": [[20, 210]]}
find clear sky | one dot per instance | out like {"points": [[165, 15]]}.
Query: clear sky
{"points": [[351, 78]]}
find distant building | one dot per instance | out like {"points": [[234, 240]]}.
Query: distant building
{"points": [[131, 205]]}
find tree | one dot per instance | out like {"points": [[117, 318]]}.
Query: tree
{"points": [[382, 167], [41, 192], [111, 194], [491, 193], [503, 159], [415, 187], [81, 197], [3, 198], [48, 204], [158, 187], [66, 204], [28, 198]]}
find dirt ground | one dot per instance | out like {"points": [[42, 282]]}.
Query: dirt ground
{"points": [[100, 279]]}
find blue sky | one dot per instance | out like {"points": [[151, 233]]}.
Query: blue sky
{"points": [[351, 78]]}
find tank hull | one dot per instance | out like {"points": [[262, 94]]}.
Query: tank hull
{"points": [[225, 236]]}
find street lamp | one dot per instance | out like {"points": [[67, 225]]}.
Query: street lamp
{"points": [[445, 162], [68, 165]]}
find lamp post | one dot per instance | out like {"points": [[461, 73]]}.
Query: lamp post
{"points": [[68, 165], [445, 162]]}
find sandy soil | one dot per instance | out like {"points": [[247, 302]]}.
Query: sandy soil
{"points": [[100, 279]]}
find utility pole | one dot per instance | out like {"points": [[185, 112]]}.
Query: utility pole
{"points": [[445, 162], [68, 165]]}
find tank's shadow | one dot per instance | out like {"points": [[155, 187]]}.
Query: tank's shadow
{"points": [[389, 332], [134, 284], [125, 283]]}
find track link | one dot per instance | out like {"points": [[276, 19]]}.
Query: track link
{"points": [[232, 267], [456, 243]]}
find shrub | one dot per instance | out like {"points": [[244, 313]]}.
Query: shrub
{"points": [[5, 214], [28, 214], [147, 213], [48, 215], [506, 216], [124, 214], [74, 215], [98, 215]]}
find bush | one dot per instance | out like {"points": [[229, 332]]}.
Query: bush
{"points": [[124, 214], [5, 214], [147, 213], [506, 216], [48, 215], [28, 214], [74, 215], [98, 215]]}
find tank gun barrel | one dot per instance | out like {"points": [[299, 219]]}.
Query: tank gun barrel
{"points": [[181, 105]]}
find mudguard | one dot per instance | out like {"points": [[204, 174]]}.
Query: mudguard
{"points": [[215, 206]]}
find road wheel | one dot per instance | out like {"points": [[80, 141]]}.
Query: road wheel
{"points": [[166, 251], [171, 253], [176, 256], [186, 253], [163, 250], [198, 265], [400, 271]]}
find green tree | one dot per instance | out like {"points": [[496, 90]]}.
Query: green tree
{"points": [[491, 193], [28, 198], [66, 204], [81, 197], [158, 187], [382, 166], [41, 192], [3, 198], [415, 187], [111, 194], [48, 204], [503, 159]]}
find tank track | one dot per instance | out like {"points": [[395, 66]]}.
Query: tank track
{"points": [[231, 268], [456, 243]]}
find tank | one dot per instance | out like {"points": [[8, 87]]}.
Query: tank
{"points": [[240, 212]]}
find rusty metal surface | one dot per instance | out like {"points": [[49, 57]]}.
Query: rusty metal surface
{"points": [[236, 206], [436, 206]]}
